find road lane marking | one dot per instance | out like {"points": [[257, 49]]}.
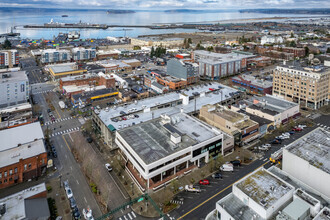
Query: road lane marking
{"points": [[133, 214], [187, 213], [66, 143], [130, 217], [71, 137], [77, 182], [85, 200]]}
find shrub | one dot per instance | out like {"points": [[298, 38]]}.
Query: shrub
{"points": [[49, 188]]}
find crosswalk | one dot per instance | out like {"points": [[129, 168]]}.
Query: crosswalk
{"points": [[58, 120], [176, 202], [41, 92], [128, 216], [323, 126], [65, 131]]}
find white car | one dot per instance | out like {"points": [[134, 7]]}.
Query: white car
{"points": [[191, 188], [302, 126], [108, 167], [88, 214], [227, 167], [69, 193]]}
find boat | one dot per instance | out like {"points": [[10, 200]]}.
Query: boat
{"points": [[73, 35], [64, 16]]}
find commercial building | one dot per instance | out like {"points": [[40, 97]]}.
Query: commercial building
{"points": [[80, 53], [297, 52], [30, 203], [156, 42], [271, 39], [16, 115], [308, 160], [22, 154], [277, 110], [55, 56], [151, 82], [107, 121], [106, 54], [234, 123], [87, 82], [115, 66], [308, 86], [14, 88], [86, 98], [66, 69], [9, 58], [252, 85], [134, 63], [163, 148], [183, 70], [216, 65]]}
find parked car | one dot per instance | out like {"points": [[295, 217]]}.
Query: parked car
{"points": [[136, 116], [108, 167], [263, 147], [236, 163], [122, 113], [89, 140], [66, 184], [191, 188], [76, 214], [54, 154], [227, 167], [276, 141], [217, 175], [204, 182], [302, 126], [297, 129], [68, 192], [73, 203], [88, 214], [292, 132], [124, 118]]}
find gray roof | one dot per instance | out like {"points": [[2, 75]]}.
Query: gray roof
{"points": [[13, 77], [237, 209], [10, 138], [217, 58], [254, 81], [296, 209], [37, 209], [313, 147], [61, 68], [151, 140]]}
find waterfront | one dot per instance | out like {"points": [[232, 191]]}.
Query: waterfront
{"points": [[19, 17]]}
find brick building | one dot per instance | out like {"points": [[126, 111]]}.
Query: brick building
{"points": [[252, 84], [297, 52], [22, 154]]}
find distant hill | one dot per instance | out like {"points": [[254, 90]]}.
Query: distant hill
{"points": [[197, 11], [181, 11], [114, 11], [288, 11]]}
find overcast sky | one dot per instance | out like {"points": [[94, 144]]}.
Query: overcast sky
{"points": [[166, 4]]}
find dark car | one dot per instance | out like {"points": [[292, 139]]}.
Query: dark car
{"points": [[217, 176], [89, 140], [236, 163], [48, 110], [73, 203], [276, 141], [76, 213], [136, 116], [54, 154], [122, 113]]}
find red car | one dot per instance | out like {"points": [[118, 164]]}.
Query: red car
{"points": [[204, 182], [296, 129], [124, 118]]}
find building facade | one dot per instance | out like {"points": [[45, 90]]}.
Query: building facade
{"points": [[80, 53], [310, 87], [23, 154], [9, 58], [14, 88], [252, 85], [183, 70], [55, 56]]}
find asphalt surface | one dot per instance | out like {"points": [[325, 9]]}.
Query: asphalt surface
{"points": [[34, 72], [198, 205]]}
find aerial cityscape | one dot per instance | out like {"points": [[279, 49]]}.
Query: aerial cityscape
{"points": [[164, 110]]}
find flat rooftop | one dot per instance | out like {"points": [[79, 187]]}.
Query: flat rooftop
{"points": [[62, 68], [15, 108], [237, 209], [264, 188], [253, 81], [10, 138], [15, 203], [24, 151], [216, 58], [10, 77], [170, 103], [313, 147], [151, 140], [324, 214], [320, 69]]}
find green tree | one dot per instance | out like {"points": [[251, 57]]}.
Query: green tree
{"points": [[307, 51], [152, 52], [7, 44], [292, 35], [328, 50], [292, 44], [175, 185], [210, 48], [189, 41]]}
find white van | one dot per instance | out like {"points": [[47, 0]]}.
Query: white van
{"points": [[227, 167]]}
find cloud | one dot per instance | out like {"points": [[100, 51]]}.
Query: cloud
{"points": [[164, 4]]}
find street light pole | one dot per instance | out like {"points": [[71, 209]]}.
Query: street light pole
{"points": [[60, 180]]}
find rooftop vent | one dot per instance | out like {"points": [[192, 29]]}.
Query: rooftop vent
{"points": [[263, 203]]}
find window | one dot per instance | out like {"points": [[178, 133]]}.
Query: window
{"points": [[10, 172], [15, 170], [29, 165], [5, 174], [0, 175], [25, 166]]}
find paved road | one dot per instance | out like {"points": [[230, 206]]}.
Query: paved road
{"points": [[197, 206], [33, 71]]}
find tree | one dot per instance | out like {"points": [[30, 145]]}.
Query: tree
{"points": [[307, 51], [189, 41], [175, 185], [293, 44], [292, 35], [328, 50], [7, 44], [210, 48], [152, 52]]}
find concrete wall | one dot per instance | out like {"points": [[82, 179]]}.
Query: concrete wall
{"points": [[305, 172]]}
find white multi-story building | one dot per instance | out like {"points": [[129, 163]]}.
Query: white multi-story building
{"points": [[14, 88], [308, 160], [80, 53], [160, 149], [9, 58], [271, 39], [55, 56]]}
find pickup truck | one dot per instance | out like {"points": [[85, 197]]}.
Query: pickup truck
{"points": [[191, 188]]}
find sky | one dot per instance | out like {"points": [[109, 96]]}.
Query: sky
{"points": [[166, 4]]}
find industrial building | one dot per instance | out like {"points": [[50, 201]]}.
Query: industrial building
{"points": [[234, 123], [214, 66], [308, 160], [109, 120], [252, 85], [23, 155], [55, 56], [308, 86], [160, 149], [30, 203], [14, 88], [9, 58], [62, 70], [80, 53]]}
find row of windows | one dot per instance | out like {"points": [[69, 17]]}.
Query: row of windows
{"points": [[5, 174]]}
